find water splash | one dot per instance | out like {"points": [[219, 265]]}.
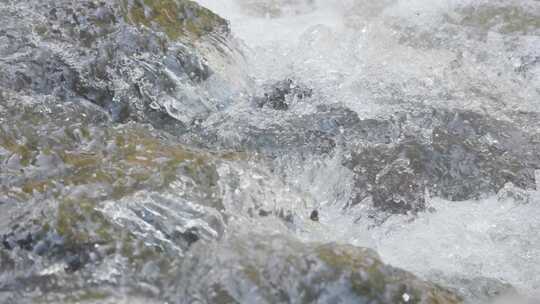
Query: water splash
{"points": [[377, 57]]}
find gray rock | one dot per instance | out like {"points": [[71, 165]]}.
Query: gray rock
{"points": [[119, 54], [274, 269], [280, 95], [466, 155]]}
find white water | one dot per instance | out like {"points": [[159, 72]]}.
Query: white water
{"points": [[352, 55]]}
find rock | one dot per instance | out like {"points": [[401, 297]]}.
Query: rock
{"points": [[463, 155], [190, 236], [396, 159], [282, 94], [512, 193], [484, 290], [264, 213], [315, 133], [275, 269], [314, 216], [136, 59], [10, 242], [174, 18], [392, 175], [73, 161]]}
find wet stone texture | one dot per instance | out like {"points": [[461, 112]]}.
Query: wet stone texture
{"points": [[400, 158], [463, 155], [132, 58], [281, 94], [276, 269], [81, 193]]}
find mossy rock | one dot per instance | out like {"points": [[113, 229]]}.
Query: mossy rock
{"points": [[59, 203], [127, 158], [176, 18], [371, 279], [278, 269]]}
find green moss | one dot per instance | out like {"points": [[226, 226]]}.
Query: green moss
{"points": [[347, 257], [26, 151], [85, 133], [89, 296], [77, 297], [36, 185], [140, 159], [371, 279], [79, 223], [80, 160], [176, 18]]}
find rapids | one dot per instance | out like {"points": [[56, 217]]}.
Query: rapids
{"points": [[153, 152], [358, 53]]}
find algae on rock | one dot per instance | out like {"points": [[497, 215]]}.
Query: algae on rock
{"points": [[176, 18]]}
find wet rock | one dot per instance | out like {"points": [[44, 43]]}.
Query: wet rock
{"points": [[190, 236], [314, 216], [460, 155], [314, 133], [483, 289], [399, 187], [11, 241], [174, 18], [130, 57], [264, 213], [276, 269], [512, 193], [282, 94], [392, 175], [75, 262], [76, 165]]}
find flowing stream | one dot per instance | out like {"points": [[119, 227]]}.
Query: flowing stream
{"points": [[358, 53], [274, 157]]}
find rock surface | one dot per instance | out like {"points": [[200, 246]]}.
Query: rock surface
{"points": [[136, 59]]}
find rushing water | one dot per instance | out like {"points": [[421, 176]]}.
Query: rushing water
{"points": [[140, 166], [360, 52]]}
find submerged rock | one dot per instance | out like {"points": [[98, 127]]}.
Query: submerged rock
{"points": [[316, 132], [314, 216], [281, 94], [275, 269], [457, 155], [484, 290], [400, 158], [512, 193]]}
